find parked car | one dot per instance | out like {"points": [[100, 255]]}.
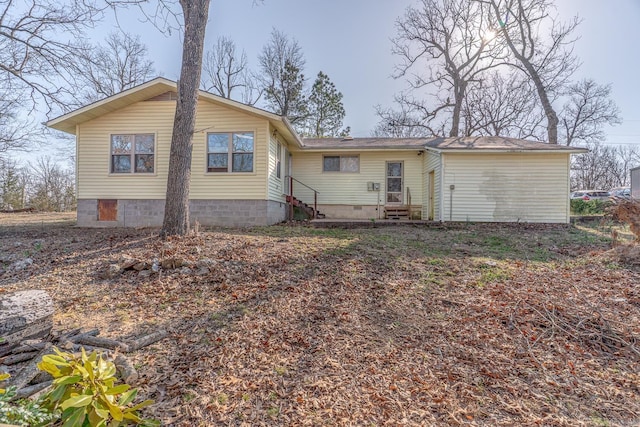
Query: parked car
{"points": [[590, 195], [620, 193]]}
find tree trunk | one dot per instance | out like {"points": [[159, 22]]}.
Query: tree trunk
{"points": [[458, 93], [176, 211], [24, 315], [552, 117]]}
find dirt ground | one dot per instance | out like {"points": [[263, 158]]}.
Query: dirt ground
{"points": [[480, 325]]}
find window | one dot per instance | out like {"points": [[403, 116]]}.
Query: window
{"points": [[230, 152], [341, 164], [278, 158], [132, 153]]}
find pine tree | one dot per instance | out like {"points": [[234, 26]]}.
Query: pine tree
{"points": [[326, 112]]}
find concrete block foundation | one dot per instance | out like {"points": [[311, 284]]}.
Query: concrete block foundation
{"points": [[150, 213]]}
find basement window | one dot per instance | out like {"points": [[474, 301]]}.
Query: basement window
{"points": [[133, 153], [230, 152], [348, 164]]}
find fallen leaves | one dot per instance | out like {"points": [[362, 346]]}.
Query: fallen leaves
{"points": [[475, 325]]}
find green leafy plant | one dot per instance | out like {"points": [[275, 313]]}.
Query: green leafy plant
{"points": [[22, 412], [85, 391], [588, 207]]}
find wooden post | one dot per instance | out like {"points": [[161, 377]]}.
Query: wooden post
{"points": [[290, 198], [315, 204]]}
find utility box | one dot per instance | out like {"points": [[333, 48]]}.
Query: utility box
{"points": [[635, 183], [373, 186]]}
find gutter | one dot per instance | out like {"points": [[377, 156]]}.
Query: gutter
{"points": [[504, 151]]}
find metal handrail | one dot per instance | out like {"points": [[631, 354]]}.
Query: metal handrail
{"points": [[315, 196], [300, 182]]}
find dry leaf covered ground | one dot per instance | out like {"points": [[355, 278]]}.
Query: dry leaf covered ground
{"points": [[289, 325]]}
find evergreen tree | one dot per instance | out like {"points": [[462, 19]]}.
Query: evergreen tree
{"points": [[326, 111]]}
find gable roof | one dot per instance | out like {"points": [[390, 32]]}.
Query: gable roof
{"points": [[438, 144], [158, 86]]}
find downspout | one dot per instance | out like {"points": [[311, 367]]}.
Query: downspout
{"points": [[568, 205], [441, 190], [77, 160]]}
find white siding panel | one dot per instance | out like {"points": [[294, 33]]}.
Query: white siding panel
{"points": [[510, 187], [275, 185], [338, 188]]}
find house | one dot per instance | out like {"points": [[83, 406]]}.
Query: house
{"points": [[249, 165]]}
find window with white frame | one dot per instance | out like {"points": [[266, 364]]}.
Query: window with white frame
{"points": [[133, 153], [230, 152], [349, 164]]}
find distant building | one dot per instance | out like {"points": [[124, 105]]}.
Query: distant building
{"points": [[635, 182]]}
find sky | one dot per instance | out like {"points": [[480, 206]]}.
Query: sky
{"points": [[349, 40]]}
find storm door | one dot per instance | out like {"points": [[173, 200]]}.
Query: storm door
{"points": [[394, 183]]}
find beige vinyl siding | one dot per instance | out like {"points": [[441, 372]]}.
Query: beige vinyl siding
{"points": [[343, 188], [275, 185], [432, 163], [95, 180], [229, 186], [509, 187]]}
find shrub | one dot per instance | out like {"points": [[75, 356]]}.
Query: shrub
{"points": [[588, 207], [23, 412], [85, 391]]}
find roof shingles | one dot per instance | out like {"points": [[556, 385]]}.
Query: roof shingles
{"points": [[484, 143]]}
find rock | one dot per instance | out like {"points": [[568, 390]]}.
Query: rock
{"points": [[109, 272], [186, 270], [141, 266], [145, 273], [202, 271], [206, 263], [128, 264], [21, 264], [171, 263]]}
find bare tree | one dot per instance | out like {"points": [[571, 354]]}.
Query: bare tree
{"points": [[603, 167], [226, 73], [542, 47], [282, 65], [400, 123], [13, 183], [588, 109], [121, 63], [17, 132], [51, 187], [38, 61], [38, 48], [502, 105], [444, 45]]}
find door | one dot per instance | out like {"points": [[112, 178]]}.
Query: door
{"points": [[394, 183], [431, 209], [107, 210]]}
